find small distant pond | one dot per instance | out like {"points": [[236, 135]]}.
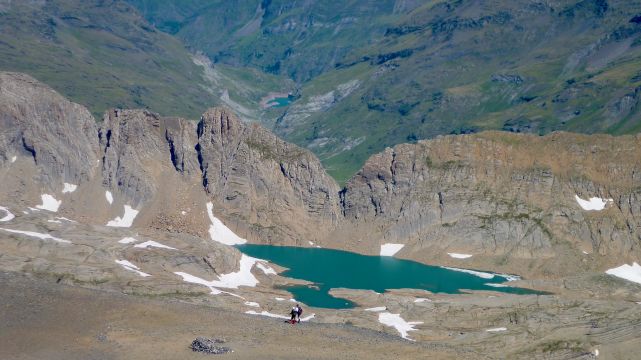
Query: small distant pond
{"points": [[328, 269], [279, 102]]}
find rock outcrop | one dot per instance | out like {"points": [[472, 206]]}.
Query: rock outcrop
{"points": [[509, 197], [510, 200], [278, 190], [55, 137]]}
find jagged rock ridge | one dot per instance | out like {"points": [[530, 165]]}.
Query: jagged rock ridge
{"points": [[509, 199]]}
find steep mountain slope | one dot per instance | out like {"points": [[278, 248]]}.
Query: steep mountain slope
{"points": [[101, 54], [508, 199], [298, 39], [462, 67], [375, 75]]}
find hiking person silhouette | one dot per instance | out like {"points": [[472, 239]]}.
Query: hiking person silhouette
{"points": [[295, 314]]}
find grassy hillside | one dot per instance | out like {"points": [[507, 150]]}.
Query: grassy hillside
{"points": [[101, 54], [374, 74]]}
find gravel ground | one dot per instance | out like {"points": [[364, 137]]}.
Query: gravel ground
{"points": [[45, 320]]}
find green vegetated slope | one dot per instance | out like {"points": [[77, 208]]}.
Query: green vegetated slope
{"points": [[297, 39], [374, 74], [101, 54], [460, 67]]}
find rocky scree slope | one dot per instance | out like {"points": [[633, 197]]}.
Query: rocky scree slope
{"points": [[507, 199]]}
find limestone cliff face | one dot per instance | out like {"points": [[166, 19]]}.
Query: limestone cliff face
{"points": [[138, 146], [506, 196], [278, 190], [56, 136], [508, 199]]}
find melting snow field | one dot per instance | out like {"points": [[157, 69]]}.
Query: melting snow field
{"points": [[265, 313], [496, 329], [594, 203], [127, 240], [8, 216], [377, 309], [266, 269], [219, 232], [484, 275], [126, 220], [397, 322], [151, 243], [420, 300], [627, 272], [242, 277], [131, 267], [49, 203], [390, 249], [69, 188], [37, 235], [459, 256], [109, 197], [496, 285]]}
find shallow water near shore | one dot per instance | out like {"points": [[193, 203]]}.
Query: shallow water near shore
{"points": [[328, 268]]}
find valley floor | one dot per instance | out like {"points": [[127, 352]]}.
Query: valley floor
{"points": [[45, 320]]}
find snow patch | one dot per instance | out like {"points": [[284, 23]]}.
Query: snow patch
{"points": [[127, 240], [126, 220], [480, 274], [266, 313], [252, 304], [377, 309], [484, 275], [459, 256], [496, 285], [131, 267], [69, 188], [13, 159], [37, 235], [219, 232], [65, 219], [9, 216], [55, 221], [390, 249], [279, 299], [594, 203], [627, 272], [183, 212], [585, 252], [49, 203], [307, 318], [109, 197], [496, 329], [242, 277], [420, 300], [266, 269], [152, 243], [397, 322], [311, 243]]}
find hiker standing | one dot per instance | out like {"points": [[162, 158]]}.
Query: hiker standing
{"points": [[299, 312], [294, 314]]}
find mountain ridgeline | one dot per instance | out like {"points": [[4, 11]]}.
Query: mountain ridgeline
{"points": [[509, 199]]}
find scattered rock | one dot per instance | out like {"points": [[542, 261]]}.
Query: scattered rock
{"points": [[209, 346]]}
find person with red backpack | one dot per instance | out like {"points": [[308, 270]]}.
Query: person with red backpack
{"points": [[295, 314]]}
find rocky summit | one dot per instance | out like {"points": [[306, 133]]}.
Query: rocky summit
{"points": [[149, 205]]}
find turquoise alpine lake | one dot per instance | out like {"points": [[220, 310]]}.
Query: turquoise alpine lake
{"points": [[279, 102], [328, 268]]}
